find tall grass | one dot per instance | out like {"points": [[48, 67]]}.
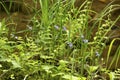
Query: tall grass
{"points": [[4, 6]]}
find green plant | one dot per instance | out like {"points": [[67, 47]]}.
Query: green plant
{"points": [[60, 46]]}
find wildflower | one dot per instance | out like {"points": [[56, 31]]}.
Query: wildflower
{"points": [[70, 44], [97, 54], [85, 40], [56, 27], [64, 28], [16, 37]]}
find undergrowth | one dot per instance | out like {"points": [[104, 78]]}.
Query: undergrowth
{"points": [[62, 45]]}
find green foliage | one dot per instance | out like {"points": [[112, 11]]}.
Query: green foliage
{"points": [[60, 46], [116, 56]]}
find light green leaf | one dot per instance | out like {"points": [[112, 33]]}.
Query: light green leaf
{"points": [[46, 57], [16, 64], [93, 68], [71, 77], [63, 62], [58, 74], [111, 75], [47, 67], [0, 65]]}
